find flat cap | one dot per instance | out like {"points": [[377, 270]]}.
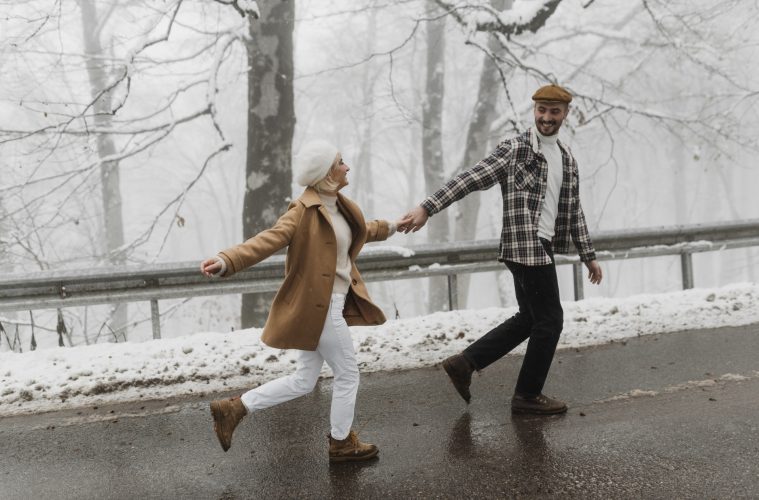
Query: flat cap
{"points": [[552, 93]]}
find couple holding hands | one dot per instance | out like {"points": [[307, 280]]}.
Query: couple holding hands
{"points": [[323, 293]]}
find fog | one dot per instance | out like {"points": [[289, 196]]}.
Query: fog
{"points": [[129, 132]]}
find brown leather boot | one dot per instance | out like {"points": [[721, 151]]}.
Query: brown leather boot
{"points": [[350, 449], [227, 413], [459, 369], [537, 405]]}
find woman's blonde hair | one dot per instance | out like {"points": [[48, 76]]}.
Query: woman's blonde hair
{"points": [[327, 184]]}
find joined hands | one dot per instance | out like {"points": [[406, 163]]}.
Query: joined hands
{"points": [[413, 220]]}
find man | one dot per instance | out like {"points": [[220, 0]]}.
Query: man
{"points": [[541, 211]]}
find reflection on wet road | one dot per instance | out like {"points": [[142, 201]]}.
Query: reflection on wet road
{"points": [[651, 418]]}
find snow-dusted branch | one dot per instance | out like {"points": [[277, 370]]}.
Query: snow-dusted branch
{"points": [[126, 75], [243, 7], [71, 175], [53, 130], [524, 15], [165, 130], [128, 67], [690, 54], [222, 47]]}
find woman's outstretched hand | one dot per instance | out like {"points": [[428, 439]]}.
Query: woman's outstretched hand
{"points": [[210, 267]]}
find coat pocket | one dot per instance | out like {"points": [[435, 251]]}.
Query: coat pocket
{"points": [[525, 175]]}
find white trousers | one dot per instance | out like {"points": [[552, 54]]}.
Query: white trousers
{"points": [[336, 348]]}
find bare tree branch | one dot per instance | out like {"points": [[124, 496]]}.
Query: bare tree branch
{"points": [[243, 7], [495, 21]]}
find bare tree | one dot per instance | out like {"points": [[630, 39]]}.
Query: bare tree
{"points": [[478, 139], [102, 107], [365, 123], [694, 109], [162, 103], [69, 138], [432, 142], [271, 122], [120, 127]]}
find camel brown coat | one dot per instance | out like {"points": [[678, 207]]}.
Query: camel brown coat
{"points": [[297, 315]]}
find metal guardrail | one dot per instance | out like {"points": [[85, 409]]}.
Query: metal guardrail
{"points": [[57, 289]]}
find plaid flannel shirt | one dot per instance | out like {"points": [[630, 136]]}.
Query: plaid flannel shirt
{"points": [[522, 172]]}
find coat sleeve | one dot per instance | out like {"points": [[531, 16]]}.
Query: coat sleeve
{"points": [[579, 228], [485, 174], [264, 244], [377, 230]]}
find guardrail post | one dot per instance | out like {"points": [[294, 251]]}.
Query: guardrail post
{"points": [[577, 273], [453, 292], [155, 318], [686, 264]]}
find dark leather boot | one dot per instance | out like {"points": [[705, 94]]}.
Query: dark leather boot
{"points": [[536, 405], [227, 413], [459, 369]]}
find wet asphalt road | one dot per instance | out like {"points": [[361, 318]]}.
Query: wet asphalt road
{"points": [[696, 440]]}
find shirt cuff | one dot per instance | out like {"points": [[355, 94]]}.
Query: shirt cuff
{"points": [[223, 269], [391, 229], [429, 206]]}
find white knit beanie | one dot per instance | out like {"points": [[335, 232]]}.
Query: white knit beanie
{"points": [[313, 162]]}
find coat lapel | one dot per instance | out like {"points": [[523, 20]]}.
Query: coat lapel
{"points": [[355, 220], [569, 175], [350, 211], [310, 198]]}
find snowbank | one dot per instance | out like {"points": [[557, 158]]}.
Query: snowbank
{"points": [[207, 362]]}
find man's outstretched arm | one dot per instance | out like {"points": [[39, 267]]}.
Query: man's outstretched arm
{"points": [[485, 174]]}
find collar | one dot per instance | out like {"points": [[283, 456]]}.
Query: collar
{"points": [[535, 141], [311, 198], [328, 200], [547, 139]]}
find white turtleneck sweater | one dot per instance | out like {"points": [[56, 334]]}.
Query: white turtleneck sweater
{"points": [[343, 238], [550, 149]]}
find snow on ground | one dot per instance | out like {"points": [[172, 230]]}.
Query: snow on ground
{"points": [[202, 363]]}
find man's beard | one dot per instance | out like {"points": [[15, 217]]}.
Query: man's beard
{"points": [[553, 124]]}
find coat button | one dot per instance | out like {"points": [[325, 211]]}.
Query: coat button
{"points": [[354, 281]]}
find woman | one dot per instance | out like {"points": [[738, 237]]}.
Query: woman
{"points": [[321, 295]]}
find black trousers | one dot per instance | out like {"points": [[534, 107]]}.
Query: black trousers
{"points": [[540, 318]]}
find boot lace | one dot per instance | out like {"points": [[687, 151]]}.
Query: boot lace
{"points": [[353, 439]]}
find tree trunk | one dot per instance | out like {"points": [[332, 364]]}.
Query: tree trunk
{"points": [[271, 121], [415, 303], [432, 145], [476, 146], [4, 257], [363, 191], [110, 184]]}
